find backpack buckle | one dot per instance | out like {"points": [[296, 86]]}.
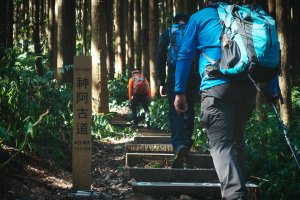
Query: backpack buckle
{"points": [[212, 71]]}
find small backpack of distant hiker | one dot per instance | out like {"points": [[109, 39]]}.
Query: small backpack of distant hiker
{"points": [[176, 33], [140, 86], [249, 42]]}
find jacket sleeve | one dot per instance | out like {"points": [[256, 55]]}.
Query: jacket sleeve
{"points": [[186, 55], [271, 89], [161, 57], [130, 88]]}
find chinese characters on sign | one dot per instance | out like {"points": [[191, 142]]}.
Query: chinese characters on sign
{"points": [[82, 109]]}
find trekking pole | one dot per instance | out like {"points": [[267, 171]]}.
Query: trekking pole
{"points": [[284, 131]]}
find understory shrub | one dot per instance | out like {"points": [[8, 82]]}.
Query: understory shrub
{"points": [[35, 113], [269, 161]]}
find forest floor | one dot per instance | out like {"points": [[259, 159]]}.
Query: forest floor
{"points": [[31, 178], [28, 177]]}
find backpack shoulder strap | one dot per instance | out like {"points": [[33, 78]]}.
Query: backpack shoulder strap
{"points": [[208, 58]]}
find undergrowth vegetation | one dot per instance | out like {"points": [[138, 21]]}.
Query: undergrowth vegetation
{"points": [[36, 117], [103, 129], [36, 113], [269, 160]]}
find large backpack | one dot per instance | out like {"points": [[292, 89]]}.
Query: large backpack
{"points": [[250, 43], [176, 33], [140, 86]]}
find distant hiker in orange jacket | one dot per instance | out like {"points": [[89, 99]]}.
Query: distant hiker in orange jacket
{"points": [[139, 93]]}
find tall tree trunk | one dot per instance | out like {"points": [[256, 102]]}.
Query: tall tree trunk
{"points": [[179, 6], [145, 38], [42, 19], [26, 21], [162, 16], [95, 52], [58, 56], [36, 39], [137, 33], [3, 23], [17, 22], [86, 23], [79, 17], [271, 8], [190, 7], [104, 94], [296, 43], [200, 4], [130, 41], [98, 51], [124, 37], [51, 33], [109, 39], [118, 35], [66, 38], [284, 80], [170, 12], [166, 12], [9, 25], [153, 39]]}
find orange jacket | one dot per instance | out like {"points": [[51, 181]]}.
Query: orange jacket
{"points": [[130, 88]]}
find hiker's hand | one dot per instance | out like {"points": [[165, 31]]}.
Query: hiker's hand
{"points": [[162, 91], [180, 103]]}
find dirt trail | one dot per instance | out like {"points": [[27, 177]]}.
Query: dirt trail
{"points": [[28, 177]]}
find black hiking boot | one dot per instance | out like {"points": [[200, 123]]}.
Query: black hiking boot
{"points": [[180, 155]]}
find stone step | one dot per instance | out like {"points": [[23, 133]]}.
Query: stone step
{"points": [[152, 139], [151, 132], [120, 122], [143, 148], [206, 190], [202, 161], [172, 175]]}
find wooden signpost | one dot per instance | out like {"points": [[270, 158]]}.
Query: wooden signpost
{"points": [[82, 108]]}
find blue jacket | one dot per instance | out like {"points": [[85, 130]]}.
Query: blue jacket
{"points": [[202, 35]]}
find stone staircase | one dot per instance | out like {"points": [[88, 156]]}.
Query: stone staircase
{"points": [[148, 164]]}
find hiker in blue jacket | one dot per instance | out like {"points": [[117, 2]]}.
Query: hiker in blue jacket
{"points": [[181, 125], [226, 105]]}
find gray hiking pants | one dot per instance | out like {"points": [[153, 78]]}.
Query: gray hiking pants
{"points": [[225, 120]]}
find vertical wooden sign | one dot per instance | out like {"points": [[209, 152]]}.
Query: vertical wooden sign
{"points": [[82, 127]]}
